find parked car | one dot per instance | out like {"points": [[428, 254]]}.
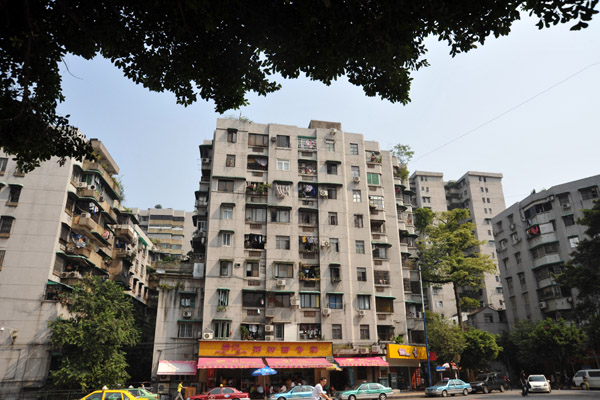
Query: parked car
{"points": [[221, 393], [142, 393], [365, 391], [448, 387], [485, 383], [297, 392], [592, 375], [109, 395], [539, 383]]}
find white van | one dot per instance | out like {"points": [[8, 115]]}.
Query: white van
{"points": [[593, 378]]}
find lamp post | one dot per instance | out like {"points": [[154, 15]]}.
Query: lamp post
{"points": [[425, 327]]}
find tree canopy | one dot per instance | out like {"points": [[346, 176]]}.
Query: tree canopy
{"points": [[449, 253], [92, 338], [444, 339], [221, 50], [481, 347]]}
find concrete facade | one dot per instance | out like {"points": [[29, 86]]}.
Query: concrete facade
{"points": [[534, 238], [57, 224], [170, 229], [481, 193]]}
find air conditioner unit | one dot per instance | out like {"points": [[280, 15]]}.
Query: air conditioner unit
{"points": [[543, 305], [356, 179], [92, 187], [269, 338], [81, 185], [333, 131], [375, 349], [569, 299], [64, 275], [363, 350], [295, 302], [419, 314], [208, 336], [85, 215], [323, 193], [324, 243], [280, 282], [326, 312], [362, 313], [512, 227], [187, 314], [206, 161], [566, 205], [273, 139], [269, 328], [163, 388]]}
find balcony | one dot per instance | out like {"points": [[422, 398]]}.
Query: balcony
{"points": [[125, 232], [415, 324], [125, 253], [543, 238], [547, 259], [309, 273], [97, 167]]}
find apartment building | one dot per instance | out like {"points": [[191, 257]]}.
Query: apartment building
{"points": [[301, 237], [171, 230], [58, 224], [481, 193], [534, 238]]}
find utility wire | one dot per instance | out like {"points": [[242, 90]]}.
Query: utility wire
{"points": [[509, 110]]}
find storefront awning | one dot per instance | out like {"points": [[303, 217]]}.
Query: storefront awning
{"points": [[176, 368], [229, 363], [361, 362], [314, 362]]}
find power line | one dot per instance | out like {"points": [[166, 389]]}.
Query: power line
{"points": [[509, 110]]}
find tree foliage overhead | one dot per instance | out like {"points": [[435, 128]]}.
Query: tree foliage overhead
{"points": [[92, 339], [221, 50], [481, 347], [449, 253]]}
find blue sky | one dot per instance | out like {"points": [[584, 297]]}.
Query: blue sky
{"points": [[551, 139]]}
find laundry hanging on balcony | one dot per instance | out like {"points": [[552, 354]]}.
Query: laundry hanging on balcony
{"points": [[282, 190]]}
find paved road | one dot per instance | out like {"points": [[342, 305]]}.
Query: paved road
{"points": [[514, 395]]}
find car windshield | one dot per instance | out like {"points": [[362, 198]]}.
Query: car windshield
{"points": [[441, 383], [537, 378], [356, 387]]}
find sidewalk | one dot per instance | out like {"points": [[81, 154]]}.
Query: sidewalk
{"points": [[397, 394]]}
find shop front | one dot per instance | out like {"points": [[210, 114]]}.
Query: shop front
{"points": [[358, 369], [405, 371]]}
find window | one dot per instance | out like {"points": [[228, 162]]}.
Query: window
{"points": [[260, 163], [225, 185], [279, 331], [226, 239], [364, 302], [3, 253], [279, 300], [221, 329], [353, 149], [5, 225], [283, 165], [225, 268], [14, 194], [381, 277], [256, 214], [226, 212], [358, 220], [364, 332], [230, 160], [335, 274], [384, 304], [361, 274], [509, 284], [252, 269], [334, 243], [336, 331], [330, 144], [568, 220], [232, 135], [309, 300], [518, 257], [485, 210], [360, 246], [335, 301], [373, 179], [282, 242], [332, 192], [222, 297], [332, 169], [488, 318], [333, 218], [4, 162], [355, 171], [356, 196], [187, 301], [550, 248], [253, 299], [307, 144], [380, 252], [258, 140], [426, 199], [284, 270], [280, 215], [573, 241], [185, 330], [283, 141], [376, 202], [488, 200], [589, 193]]}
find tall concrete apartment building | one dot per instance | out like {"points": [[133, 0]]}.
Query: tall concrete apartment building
{"points": [[301, 236], [534, 238], [58, 224], [481, 193], [171, 230]]}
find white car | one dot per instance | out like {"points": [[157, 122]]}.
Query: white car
{"points": [[592, 375], [539, 383]]}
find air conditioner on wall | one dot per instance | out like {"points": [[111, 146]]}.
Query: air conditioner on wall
{"points": [[206, 161], [326, 312], [269, 328], [323, 193], [543, 305], [81, 185], [333, 131], [295, 302], [363, 350], [273, 139], [187, 314], [361, 313], [280, 282], [324, 243], [356, 179], [269, 338], [566, 205], [207, 336]]}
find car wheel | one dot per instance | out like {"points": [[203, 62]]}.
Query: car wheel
{"points": [[382, 396], [501, 388], [352, 397], [465, 392], [444, 394], [486, 390], [549, 390]]}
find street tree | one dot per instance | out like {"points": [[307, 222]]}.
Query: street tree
{"points": [[449, 253], [221, 50], [481, 348], [445, 339], [556, 342], [100, 323], [404, 154]]}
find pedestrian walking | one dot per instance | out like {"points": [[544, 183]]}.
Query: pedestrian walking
{"points": [[179, 389], [524, 384]]}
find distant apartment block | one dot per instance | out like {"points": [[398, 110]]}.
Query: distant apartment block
{"points": [[534, 238], [170, 230]]}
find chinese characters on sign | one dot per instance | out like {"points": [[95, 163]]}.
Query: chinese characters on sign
{"points": [[254, 349]]}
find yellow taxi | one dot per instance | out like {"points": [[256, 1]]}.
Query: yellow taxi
{"points": [[110, 394]]}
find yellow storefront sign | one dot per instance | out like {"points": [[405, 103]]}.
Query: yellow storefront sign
{"points": [[406, 352], [264, 349]]}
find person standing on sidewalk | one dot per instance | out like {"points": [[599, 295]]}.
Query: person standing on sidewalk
{"points": [[524, 383], [318, 393]]}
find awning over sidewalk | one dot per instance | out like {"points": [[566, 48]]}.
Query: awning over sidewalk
{"points": [[315, 362], [229, 363], [176, 368], [361, 362]]}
